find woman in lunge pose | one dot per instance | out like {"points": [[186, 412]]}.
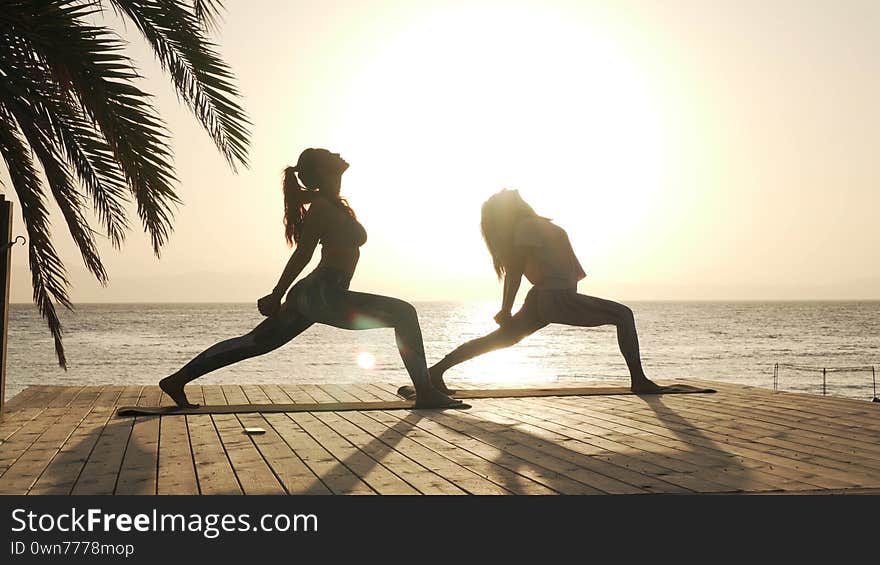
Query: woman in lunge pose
{"points": [[524, 243], [314, 212]]}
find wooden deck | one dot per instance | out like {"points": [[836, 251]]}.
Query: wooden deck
{"points": [[68, 440]]}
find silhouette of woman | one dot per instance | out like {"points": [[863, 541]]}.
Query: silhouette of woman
{"points": [[316, 213], [523, 243]]}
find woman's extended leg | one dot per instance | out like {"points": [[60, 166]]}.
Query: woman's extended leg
{"points": [[361, 311], [524, 323], [589, 311], [269, 334]]}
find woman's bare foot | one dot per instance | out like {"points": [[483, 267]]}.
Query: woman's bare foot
{"points": [[174, 389], [432, 398], [645, 385], [437, 382]]}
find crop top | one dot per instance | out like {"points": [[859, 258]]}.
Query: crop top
{"points": [[346, 234], [551, 264]]}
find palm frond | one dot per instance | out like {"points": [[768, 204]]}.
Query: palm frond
{"points": [[208, 14], [30, 88], [87, 62], [69, 99], [201, 78], [69, 200], [48, 276]]}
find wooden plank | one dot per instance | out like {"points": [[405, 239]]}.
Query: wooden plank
{"points": [[658, 430], [176, 473], [139, 471], [213, 394], [25, 436], [361, 464], [796, 434], [15, 420], [531, 469], [294, 475], [44, 395], [214, 472], [421, 479], [700, 475], [741, 433], [529, 448], [399, 436], [854, 416], [109, 395], [839, 428], [17, 415], [727, 469], [512, 481], [65, 397], [87, 396], [297, 394], [234, 394], [338, 478], [339, 393], [317, 393], [255, 394], [28, 467], [64, 470], [19, 401], [582, 455], [731, 444], [276, 394], [101, 470], [366, 393], [251, 470]]}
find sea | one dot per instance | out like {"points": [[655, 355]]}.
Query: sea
{"points": [[731, 342]]}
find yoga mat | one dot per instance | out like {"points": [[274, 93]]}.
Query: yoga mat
{"points": [[267, 408], [408, 392]]}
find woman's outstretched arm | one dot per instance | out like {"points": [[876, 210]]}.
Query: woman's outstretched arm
{"points": [[513, 274], [305, 248]]}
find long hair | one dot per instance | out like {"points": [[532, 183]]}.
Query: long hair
{"points": [[294, 205], [297, 195], [499, 216]]}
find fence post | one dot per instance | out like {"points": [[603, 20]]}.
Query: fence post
{"points": [[823, 381], [5, 264], [874, 381]]}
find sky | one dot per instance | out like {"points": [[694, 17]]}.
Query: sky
{"points": [[693, 150]]}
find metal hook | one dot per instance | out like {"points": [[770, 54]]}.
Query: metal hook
{"points": [[13, 242]]}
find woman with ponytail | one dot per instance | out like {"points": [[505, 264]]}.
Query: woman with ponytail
{"points": [[523, 243], [315, 212]]}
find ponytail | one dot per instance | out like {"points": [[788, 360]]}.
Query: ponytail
{"points": [[294, 206], [297, 195]]}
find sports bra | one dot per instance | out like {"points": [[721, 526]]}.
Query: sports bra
{"points": [[552, 263], [347, 234]]}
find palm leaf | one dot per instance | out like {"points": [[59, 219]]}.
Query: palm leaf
{"points": [[69, 95], [48, 276], [69, 200], [83, 147], [86, 61], [208, 13], [201, 78]]}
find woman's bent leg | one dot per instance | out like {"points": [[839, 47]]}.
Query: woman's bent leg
{"points": [[589, 311], [361, 311], [270, 334]]}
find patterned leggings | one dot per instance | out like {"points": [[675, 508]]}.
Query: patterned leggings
{"points": [[323, 297]]}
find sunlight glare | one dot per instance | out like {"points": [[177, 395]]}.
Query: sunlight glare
{"points": [[366, 360], [455, 107]]}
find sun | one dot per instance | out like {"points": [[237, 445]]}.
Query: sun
{"points": [[366, 360], [466, 101]]}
